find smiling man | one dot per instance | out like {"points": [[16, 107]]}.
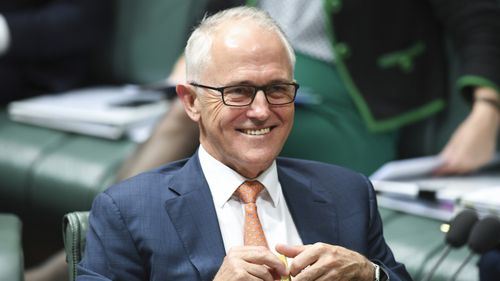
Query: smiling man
{"points": [[234, 210]]}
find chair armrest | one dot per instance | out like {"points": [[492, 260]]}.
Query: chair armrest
{"points": [[75, 226]]}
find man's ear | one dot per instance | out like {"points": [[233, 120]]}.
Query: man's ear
{"points": [[188, 97]]}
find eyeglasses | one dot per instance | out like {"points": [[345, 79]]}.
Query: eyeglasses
{"points": [[243, 95]]}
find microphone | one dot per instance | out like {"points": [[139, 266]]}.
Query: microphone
{"points": [[483, 237], [456, 237]]}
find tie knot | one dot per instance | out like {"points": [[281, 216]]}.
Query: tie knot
{"points": [[249, 190]]}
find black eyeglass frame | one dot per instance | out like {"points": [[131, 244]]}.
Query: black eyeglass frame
{"points": [[256, 88]]}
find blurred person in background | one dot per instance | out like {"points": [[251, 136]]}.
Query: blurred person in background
{"points": [[46, 45], [368, 70]]}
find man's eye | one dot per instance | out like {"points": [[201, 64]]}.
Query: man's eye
{"points": [[238, 91], [277, 88]]}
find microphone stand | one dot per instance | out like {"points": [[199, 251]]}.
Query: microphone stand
{"points": [[464, 263], [437, 264]]}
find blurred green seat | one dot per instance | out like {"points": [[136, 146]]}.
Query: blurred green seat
{"points": [[75, 227], [11, 253], [54, 171]]}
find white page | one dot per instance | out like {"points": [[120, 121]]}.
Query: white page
{"points": [[101, 111], [407, 168]]}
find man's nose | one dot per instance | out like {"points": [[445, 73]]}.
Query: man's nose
{"points": [[260, 106]]}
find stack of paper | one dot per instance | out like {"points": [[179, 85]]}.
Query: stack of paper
{"points": [[408, 168], [109, 112], [485, 200], [409, 186]]}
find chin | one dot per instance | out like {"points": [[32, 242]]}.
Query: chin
{"points": [[259, 157]]}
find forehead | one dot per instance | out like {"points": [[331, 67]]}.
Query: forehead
{"points": [[242, 48]]}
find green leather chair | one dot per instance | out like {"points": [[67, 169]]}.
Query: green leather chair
{"points": [[11, 252], [416, 241], [54, 171], [75, 226]]}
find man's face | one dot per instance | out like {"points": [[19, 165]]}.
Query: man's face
{"points": [[247, 139]]}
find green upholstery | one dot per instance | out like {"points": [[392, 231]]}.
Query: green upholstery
{"points": [[416, 241], [55, 171], [81, 167], [74, 230], [11, 254], [20, 147]]}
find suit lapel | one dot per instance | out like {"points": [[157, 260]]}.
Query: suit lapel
{"points": [[314, 216], [193, 214]]}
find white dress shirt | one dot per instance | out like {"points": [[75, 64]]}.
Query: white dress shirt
{"points": [[272, 209], [4, 35]]}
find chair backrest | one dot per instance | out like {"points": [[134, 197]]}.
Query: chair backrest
{"points": [[75, 226]]}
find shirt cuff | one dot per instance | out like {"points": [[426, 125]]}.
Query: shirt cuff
{"points": [[4, 35], [380, 273], [377, 272]]}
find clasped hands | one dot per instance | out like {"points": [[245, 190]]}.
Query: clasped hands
{"points": [[319, 261]]}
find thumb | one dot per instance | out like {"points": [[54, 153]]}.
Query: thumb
{"points": [[290, 251]]}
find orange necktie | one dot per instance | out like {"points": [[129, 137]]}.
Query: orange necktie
{"points": [[253, 233]]}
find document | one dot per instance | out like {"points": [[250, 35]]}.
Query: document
{"points": [[409, 186], [109, 112], [408, 168], [485, 201]]}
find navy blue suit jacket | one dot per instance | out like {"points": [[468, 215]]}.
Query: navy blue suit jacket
{"points": [[162, 225]]}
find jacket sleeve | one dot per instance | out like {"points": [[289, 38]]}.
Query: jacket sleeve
{"points": [[379, 251], [110, 252], [473, 28], [58, 29]]}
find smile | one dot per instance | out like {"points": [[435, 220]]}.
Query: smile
{"points": [[258, 132]]}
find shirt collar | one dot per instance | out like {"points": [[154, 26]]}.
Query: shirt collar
{"points": [[223, 181]]}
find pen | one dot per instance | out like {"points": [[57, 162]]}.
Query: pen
{"points": [[283, 259]]}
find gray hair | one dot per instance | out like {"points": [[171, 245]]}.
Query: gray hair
{"points": [[199, 45]]}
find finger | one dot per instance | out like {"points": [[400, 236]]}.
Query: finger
{"points": [[450, 169], [335, 263], [262, 256], [234, 268], [289, 251], [261, 272], [244, 262], [443, 170], [308, 256], [312, 273]]}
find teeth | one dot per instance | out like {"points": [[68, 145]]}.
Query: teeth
{"points": [[257, 132]]}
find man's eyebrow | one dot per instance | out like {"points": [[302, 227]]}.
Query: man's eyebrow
{"points": [[277, 81], [251, 83]]}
